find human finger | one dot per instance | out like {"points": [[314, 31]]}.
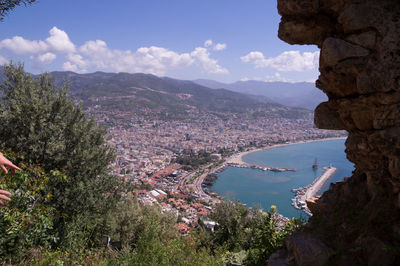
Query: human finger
{"points": [[4, 192], [4, 169], [12, 166], [3, 197]]}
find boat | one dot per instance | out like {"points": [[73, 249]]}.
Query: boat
{"points": [[315, 165]]}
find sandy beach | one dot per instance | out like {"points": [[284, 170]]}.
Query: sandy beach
{"points": [[238, 157]]}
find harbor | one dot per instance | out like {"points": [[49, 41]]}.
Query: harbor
{"points": [[266, 188], [311, 190]]}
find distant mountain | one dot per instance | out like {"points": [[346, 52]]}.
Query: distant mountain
{"points": [[149, 95], [167, 98], [301, 94]]}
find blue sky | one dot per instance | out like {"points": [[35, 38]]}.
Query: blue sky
{"points": [[224, 40]]}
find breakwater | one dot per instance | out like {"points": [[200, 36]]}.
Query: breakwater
{"points": [[311, 190], [262, 168]]}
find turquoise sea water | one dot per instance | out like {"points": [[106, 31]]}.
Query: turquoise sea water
{"points": [[266, 188]]}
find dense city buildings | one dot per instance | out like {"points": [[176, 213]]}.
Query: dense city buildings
{"points": [[147, 150]]}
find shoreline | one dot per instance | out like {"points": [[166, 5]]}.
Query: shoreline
{"points": [[238, 157]]}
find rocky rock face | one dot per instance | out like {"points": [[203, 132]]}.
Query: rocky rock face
{"points": [[358, 218]]}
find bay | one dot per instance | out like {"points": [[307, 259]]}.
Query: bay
{"points": [[266, 188]]}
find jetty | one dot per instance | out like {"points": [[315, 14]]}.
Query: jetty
{"points": [[262, 168], [311, 190]]}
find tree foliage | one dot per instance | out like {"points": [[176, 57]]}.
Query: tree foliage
{"points": [[241, 229], [27, 221], [7, 5], [151, 238], [193, 160], [135, 224], [41, 123]]}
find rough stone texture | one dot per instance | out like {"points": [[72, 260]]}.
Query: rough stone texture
{"points": [[335, 51], [281, 258], [358, 218], [308, 250], [326, 116]]}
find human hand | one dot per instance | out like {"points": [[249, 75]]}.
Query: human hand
{"points": [[4, 162], [4, 196]]}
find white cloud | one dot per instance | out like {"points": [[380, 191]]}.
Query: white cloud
{"points": [[59, 41], [3, 60], [76, 63], [41, 60], [68, 66], [77, 59], [208, 43], [207, 64], [287, 61], [155, 60], [161, 58], [46, 58], [276, 77], [19, 45], [220, 46], [96, 55]]}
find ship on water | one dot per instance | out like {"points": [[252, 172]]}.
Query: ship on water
{"points": [[315, 165]]}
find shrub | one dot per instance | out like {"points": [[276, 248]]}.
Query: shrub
{"points": [[26, 222], [41, 123]]}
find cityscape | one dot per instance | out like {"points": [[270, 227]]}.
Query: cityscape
{"points": [[147, 153]]}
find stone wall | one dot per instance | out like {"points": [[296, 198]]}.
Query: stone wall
{"points": [[357, 221]]}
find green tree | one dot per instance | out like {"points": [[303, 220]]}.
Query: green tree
{"points": [[26, 222], [149, 237], [252, 230], [266, 237], [233, 219], [7, 5], [43, 124], [135, 224]]}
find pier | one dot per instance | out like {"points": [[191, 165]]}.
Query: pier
{"points": [[311, 190], [262, 168]]}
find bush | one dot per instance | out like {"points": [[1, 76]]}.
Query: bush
{"points": [[258, 233], [41, 123], [137, 225], [27, 221]]}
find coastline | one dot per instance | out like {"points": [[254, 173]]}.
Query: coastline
{"points": [[238, 157]]}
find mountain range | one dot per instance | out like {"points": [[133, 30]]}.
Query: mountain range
{"points": [[300, 94], [166, 98], [163, 97]]}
